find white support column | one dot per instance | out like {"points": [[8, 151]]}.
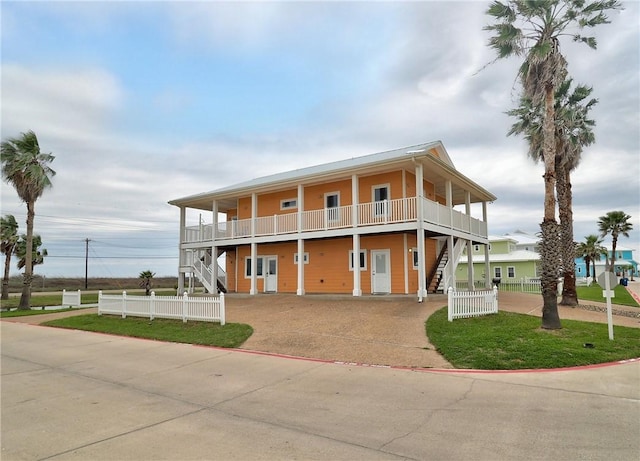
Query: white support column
{"points": [[300, 289], [470, 269], [357, 281], [449, 197], [422, 271], [181, 252], [406, 262], [254, 246], [357, 287], [487, 265], [214, 248]]}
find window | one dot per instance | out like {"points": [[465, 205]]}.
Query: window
{"points": [[305, 258], [259, 264], [380, 198], [332, 204], [476, 248], [497, 272], [288, 204], [511, 272], [414, 253], [363, 260]]}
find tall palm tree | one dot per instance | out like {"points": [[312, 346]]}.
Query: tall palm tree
{"points": [[615, 223], [145, 281], [9, 227], [531, 30], [590, 250], [37, 255], [573, 131], [26, 168]]}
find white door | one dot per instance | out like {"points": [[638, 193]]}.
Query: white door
{"points": [[380, 272], [271, 274]]}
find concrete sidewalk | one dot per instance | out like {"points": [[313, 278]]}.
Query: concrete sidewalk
{"points": [[74, 395]]}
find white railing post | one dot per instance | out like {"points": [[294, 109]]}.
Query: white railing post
{"points": [[99, 302], [222, 306], [184, 307], [495, 298], [152, 305], [450, 304], [124, 304]]}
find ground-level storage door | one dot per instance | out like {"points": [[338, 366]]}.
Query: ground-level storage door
{"points": [[271, 274], [380, 271]]}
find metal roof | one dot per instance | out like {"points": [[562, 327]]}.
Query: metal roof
{"points": [[437, 169]]}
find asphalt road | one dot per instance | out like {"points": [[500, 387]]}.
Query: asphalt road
{"points": [[86, 396]]}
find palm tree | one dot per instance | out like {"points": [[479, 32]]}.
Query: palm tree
{"points": [[573, 131], [532, 30], [615, 223], [590, 250], [27, 169], [9, 227], [145, 281], [37, 256]]}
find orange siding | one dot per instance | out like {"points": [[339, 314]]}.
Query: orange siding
{"points": [[244, 208], [314, 195], [269, 204], [393, 179]]}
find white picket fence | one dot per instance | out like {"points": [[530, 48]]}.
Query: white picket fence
{"points": [[463, 304], [206, 309], [71, 298]]}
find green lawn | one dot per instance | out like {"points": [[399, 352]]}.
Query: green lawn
{"points": [[509, 341], [594, 293], [203, 333]]}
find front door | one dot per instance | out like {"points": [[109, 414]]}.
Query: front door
{"points": [[271, 274], [380, 272]]}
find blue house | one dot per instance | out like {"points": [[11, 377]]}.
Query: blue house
{"points": [[625, 265]]}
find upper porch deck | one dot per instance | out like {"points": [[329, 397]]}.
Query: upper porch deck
{"points": [[382, 213]]}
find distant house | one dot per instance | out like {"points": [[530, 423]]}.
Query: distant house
{"points": [[392, 222], [512, 257], [625, 264]]}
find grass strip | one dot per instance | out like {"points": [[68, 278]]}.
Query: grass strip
{"points": [[510, 341], [594, 293], [202, 333]]}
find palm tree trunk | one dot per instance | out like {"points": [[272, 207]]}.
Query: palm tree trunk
{"points": [[5, 278], [549, 247], [563, 186], [614, 244], [25, 299]]}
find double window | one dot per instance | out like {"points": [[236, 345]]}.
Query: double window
{"points": [[259, 267], [363, 260]]}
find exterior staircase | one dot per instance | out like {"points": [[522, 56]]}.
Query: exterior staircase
{"points": [[201, 267], [439, 279]]}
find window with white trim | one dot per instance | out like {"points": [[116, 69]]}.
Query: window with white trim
{"points": [[497, 272], [332, 205], [363, 260], [305, 258], [259, 264], [414, 256], [380, 195], [511, 272], [289, 204]]}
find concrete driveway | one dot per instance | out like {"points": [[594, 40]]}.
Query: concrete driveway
{"points": [[86, 396]]}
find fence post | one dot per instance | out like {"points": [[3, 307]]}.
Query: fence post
{"points": [[495, 298], [184, 307], [449, 304], [152, 306], [124, 304], [99, 302], [222, 308], [79, 299]]}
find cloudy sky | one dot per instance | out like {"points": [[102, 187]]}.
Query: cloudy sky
{"points": [[144, 102]]}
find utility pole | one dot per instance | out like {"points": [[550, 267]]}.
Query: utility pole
{"points": [[86, 264]]}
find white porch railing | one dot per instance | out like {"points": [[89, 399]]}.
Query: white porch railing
{"points": [[463, 304], [71, 298], [206, 309], [368, 214]]}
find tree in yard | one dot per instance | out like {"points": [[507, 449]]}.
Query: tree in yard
{"points": [[9, 227], [37, 255], [145, 281], [573, 131], [531, 30], [26, 168], [615, 223], [590, 250]]}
